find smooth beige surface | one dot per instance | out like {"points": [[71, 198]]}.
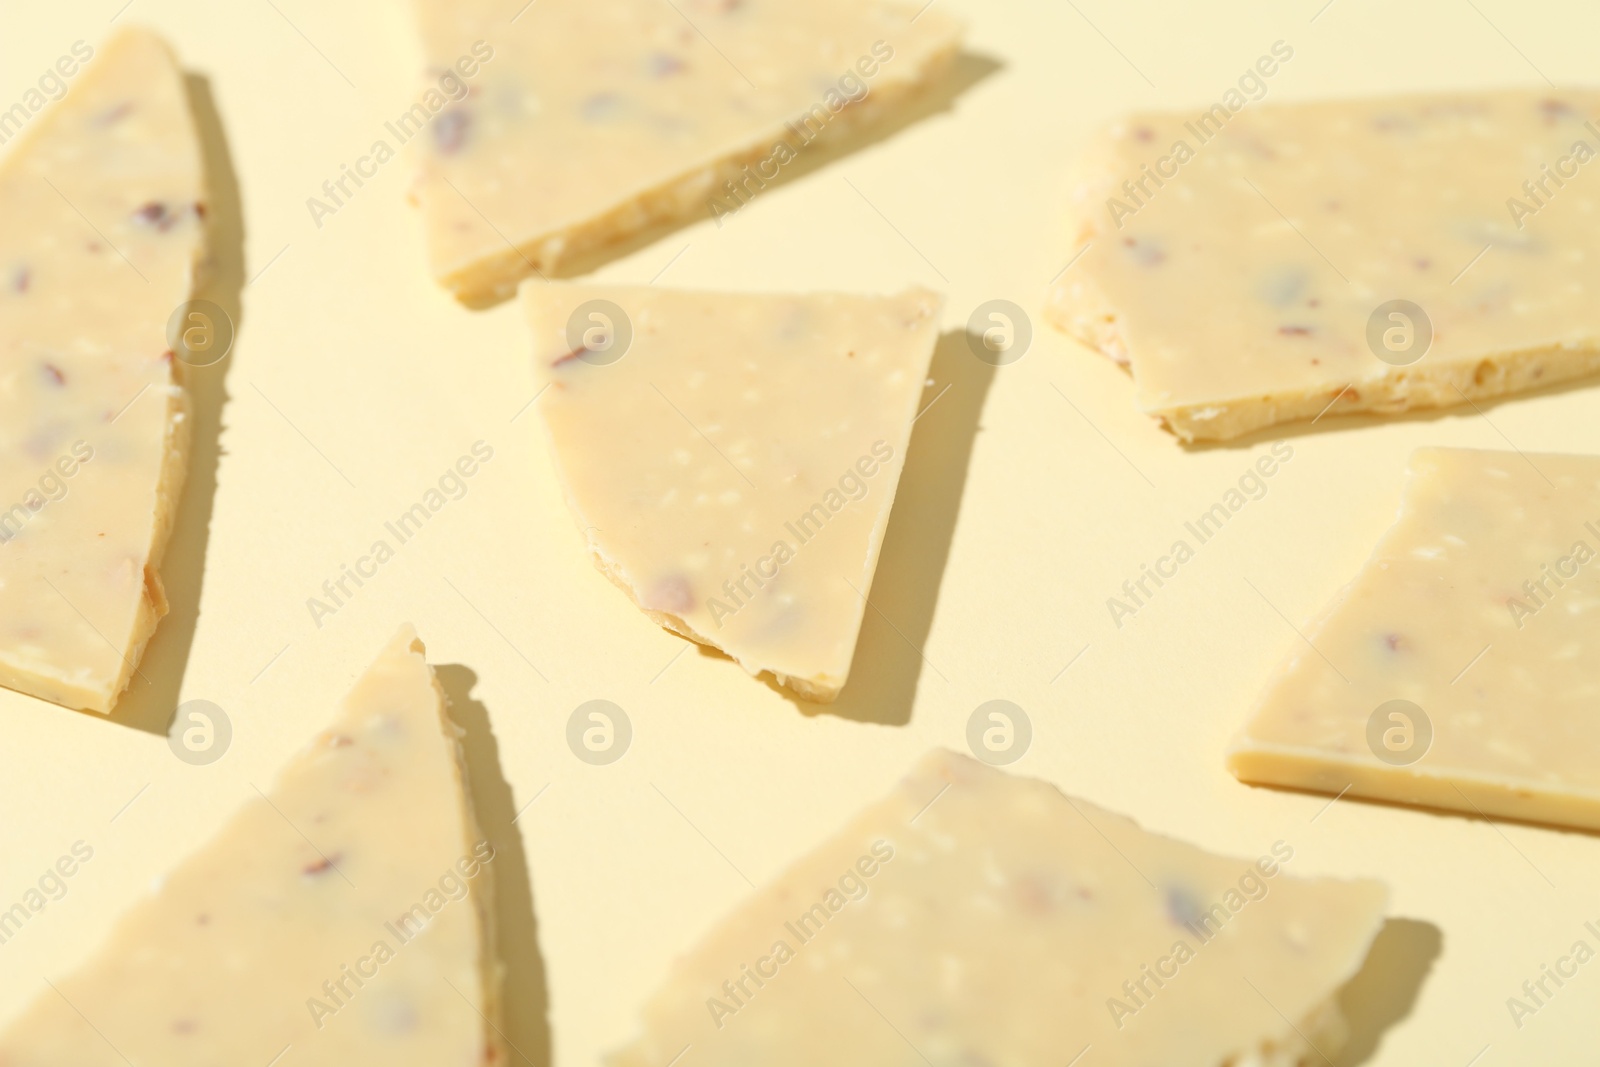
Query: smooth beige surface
{"points": [[332, 917], [977, 917], [597, 118], [1235, 256], [101, 226], [1017, 518], [1481, 607], [732, 458]]}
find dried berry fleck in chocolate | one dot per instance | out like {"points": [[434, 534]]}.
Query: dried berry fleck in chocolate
{"points": [[663, 65], [21, 279], [450, 131], [576, 353], [1145, 253], [320, 866], [53, 374], [1555, 109], [1038, 893], [1389, 123], [602, 107], [672, 593], [1182, 907], [1284, 286], [155, 214], [1295, 331], [114, 115]]}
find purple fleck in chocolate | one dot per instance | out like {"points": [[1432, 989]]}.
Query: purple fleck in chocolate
{"points": [[395, 1016], [450, 131], [53, 374], [663, 65], [156, 215], [1295, 331], [672, 593], [1182, 907], [601, 107], [1145, 253], [114, 115], [1284, 286], [21, 279]]}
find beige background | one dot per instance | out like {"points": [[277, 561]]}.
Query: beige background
{"points": [[355, 383]]}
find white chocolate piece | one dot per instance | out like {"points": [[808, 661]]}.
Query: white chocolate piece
{"points": [[1481, 607], [734, 470], [593, 120], [268, 937], [102, 203], [1238, 282], [973, 917]]}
